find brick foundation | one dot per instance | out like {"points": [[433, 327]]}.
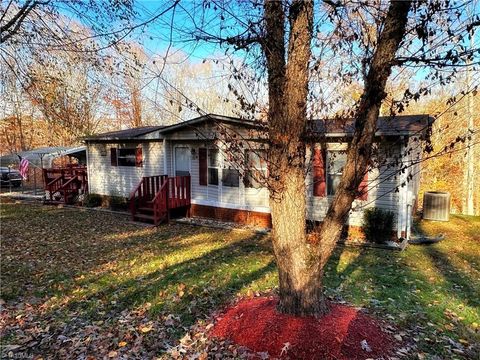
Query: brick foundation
{"points": [[246, 217], [355, 234]]}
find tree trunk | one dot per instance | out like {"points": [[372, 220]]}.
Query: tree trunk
{"points": [[300, 276], [299, 273], [360, 148], [300, 262]]}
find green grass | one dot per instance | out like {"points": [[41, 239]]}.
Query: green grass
{"points": [[431, 290], [116, 277]]}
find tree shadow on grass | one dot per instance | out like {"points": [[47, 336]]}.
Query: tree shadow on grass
{"points": [[189, 289], [413, 289], [45, 248], [114, 271], [461, 284]]}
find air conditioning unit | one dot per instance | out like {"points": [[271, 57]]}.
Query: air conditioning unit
{"points": [[436, 205]]}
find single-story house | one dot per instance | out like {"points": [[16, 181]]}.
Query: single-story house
{"points": [[131, 163]]}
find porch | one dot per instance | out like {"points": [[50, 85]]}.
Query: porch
{"points": [[155, 197]]}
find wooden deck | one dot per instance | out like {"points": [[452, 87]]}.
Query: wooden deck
{"points": [[155, 196], [64, 185]]}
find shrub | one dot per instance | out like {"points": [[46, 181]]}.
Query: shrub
{"points": [[118, 203], [92, 200], [378, 224]]}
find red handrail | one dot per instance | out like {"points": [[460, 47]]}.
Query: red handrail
{"points": [[54, 185], [180, 195], [65, 180], [173, 192], [54, 181], [145, 191], [160, 203]]}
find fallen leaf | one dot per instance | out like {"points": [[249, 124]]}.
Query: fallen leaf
{"points": [[146, 329], [285, 348], [365, 346]]}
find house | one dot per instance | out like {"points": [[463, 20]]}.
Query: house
{"points": [[196, 159]]}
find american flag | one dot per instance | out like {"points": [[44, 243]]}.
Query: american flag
{"points": [[23, 168]]}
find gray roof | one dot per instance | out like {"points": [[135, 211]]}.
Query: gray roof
{"points": [[386, 125], [128, 134], [210, 118]]}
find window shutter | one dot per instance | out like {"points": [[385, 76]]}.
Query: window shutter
{"points": [[138, 157], [363, 188], [113, 157], [318, 167], [202, 164]]}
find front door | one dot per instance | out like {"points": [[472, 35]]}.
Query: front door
{"points": [[182, 161]]}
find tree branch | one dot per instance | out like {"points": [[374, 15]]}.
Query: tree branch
{"points": [[18, 19]]}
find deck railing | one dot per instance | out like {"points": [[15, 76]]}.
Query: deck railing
{"points": [[65, 182], [179, 191], [145, 191], [161, 209], [160, 193]]}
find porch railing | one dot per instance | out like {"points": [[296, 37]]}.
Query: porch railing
{"points": [[145, 191], [65, 182], [160, 194]]}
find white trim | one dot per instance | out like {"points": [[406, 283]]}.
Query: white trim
{"points": [[88, 167], [402, 197], [334, 146], [212, 187], [330, 150], [165, 157], [262, 209]]}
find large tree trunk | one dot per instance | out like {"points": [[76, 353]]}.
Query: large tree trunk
{"points": [[299, 273], [360, 148], [300, 262]]}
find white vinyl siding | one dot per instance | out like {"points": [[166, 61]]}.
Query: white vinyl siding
{"points": [[105, 179]]}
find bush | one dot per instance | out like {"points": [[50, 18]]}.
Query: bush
{"points": [[118, 203], [92, 200], [378, 224]]}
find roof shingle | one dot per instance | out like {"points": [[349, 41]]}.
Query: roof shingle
{"points": [[125, 134]]}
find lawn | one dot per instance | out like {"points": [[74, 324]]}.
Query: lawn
{"points": [[79, 283]]}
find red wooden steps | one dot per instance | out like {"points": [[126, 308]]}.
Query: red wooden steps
{"points": [[154, 197], [65, 184]]}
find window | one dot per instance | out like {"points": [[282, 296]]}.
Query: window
{"points": [[230, 177], [336, 163], [213, 165], [127, 157], [256, 168]]}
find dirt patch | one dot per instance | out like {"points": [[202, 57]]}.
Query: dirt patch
{"points": [[344, 333]]}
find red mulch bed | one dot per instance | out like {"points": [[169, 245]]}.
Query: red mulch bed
{"points": [[256, 324]]}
